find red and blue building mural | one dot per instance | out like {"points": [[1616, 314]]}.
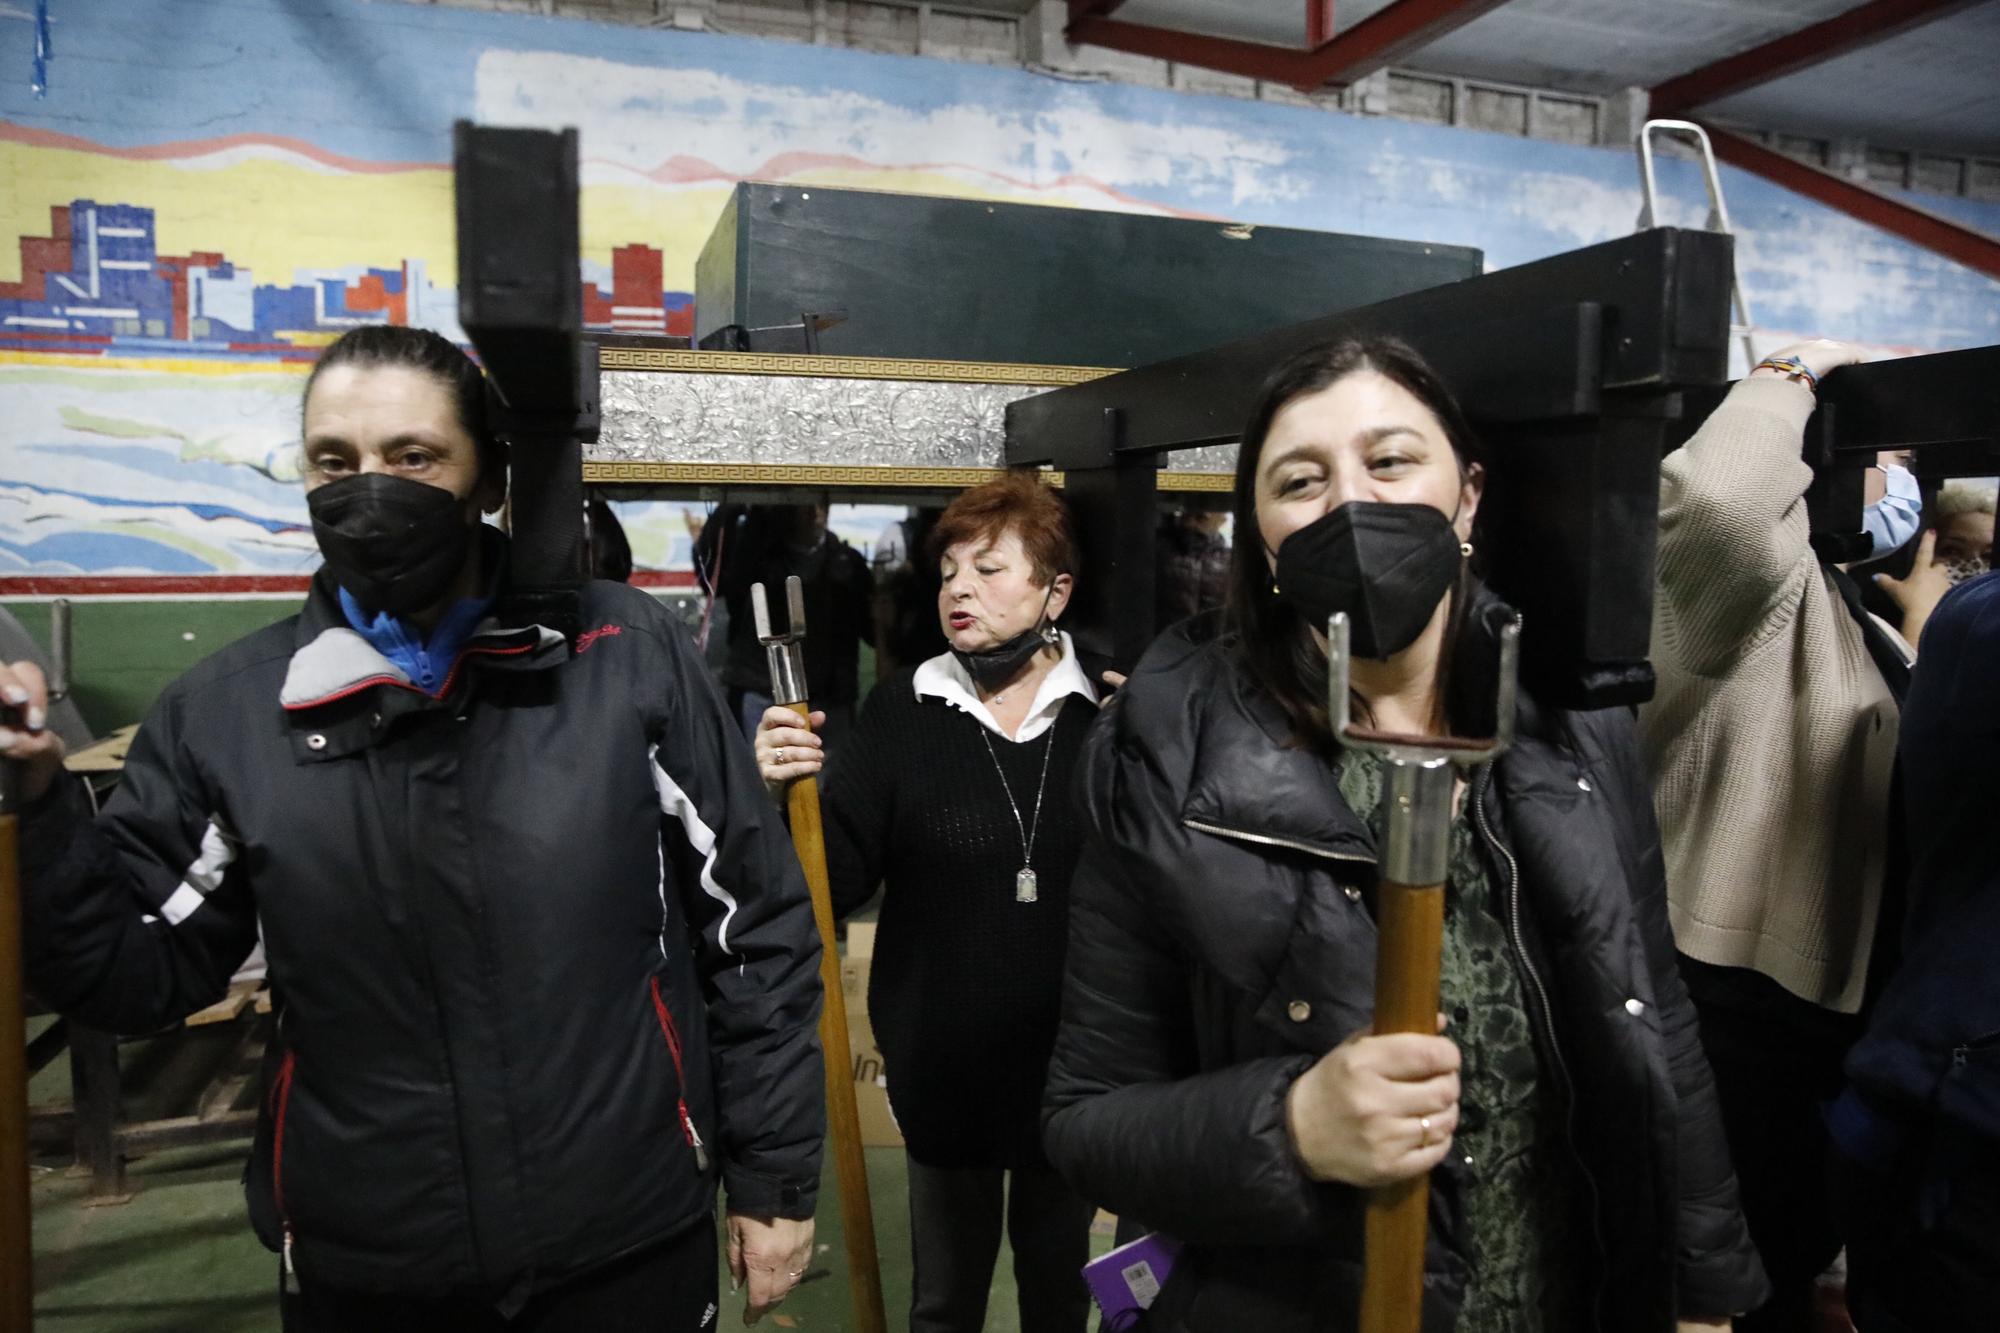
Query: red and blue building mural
{"points": [[96, 284]]}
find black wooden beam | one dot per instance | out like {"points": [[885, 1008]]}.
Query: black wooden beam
{"points": [[1540, 341]]}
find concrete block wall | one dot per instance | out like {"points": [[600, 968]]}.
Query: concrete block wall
{"points": [[1035, 40]]}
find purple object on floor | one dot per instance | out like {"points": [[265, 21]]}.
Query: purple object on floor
{"points": [[1125, 1281]]}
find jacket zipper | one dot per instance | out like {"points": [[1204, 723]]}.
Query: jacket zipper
{"points": [[281, 1100], [1546, 1012], [673, 1037], [1268, 840], [1961, 1054]]}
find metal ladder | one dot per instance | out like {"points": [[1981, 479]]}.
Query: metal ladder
{"points": [[1718, 213]]}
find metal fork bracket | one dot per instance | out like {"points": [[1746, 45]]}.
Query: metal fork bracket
{"points": [[1418, 836], [1464, 752], [1418, 830], [785, 652]]}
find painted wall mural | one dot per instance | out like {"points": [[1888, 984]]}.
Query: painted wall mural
{"points": [[210, 193]]}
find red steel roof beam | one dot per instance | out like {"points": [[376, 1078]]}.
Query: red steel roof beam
{"points": [[1974, 249], [1857, 28], [1319, 23], [1382, 38]]}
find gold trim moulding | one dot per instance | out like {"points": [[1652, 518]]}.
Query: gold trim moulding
{"points": [[1221, 483], [668, 360], [813, 475]]}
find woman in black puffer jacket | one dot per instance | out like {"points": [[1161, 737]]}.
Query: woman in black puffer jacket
{"points": [[1213, 1075]]}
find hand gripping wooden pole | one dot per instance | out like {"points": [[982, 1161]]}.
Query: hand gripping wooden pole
{"points": [[17, 1287], [788, 688], [1409, 920]]}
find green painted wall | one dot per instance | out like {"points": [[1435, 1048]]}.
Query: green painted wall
{"points": [[125, 653]]}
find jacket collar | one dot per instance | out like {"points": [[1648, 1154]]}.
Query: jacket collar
{"points": [[333, 662], [1252, 780], [945, 678]]}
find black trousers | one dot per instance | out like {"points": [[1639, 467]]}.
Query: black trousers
{"points": [[1923, 1243], [955, 1221], [669, 1288], [1777, 1061]]}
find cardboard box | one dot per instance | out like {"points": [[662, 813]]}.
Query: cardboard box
{"points": [[871, 1082]]}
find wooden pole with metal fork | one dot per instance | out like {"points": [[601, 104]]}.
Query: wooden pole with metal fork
{"points": [[786, 655], [1409, 919]]}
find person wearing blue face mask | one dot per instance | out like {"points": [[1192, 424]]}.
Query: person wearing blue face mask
{"points": [[1956, 547], [1916, 1170], [1771, 742]]}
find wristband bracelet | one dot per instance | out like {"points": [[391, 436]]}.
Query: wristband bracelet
{"points": [[1792, 368]]}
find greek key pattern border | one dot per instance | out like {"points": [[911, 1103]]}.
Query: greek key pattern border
{"points": [[669, 360], [1214, 482]]}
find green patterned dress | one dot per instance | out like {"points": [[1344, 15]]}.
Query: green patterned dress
{"points": [[1521, 1186]]}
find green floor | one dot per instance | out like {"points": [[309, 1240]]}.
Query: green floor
{"points": [[178, 1257]]}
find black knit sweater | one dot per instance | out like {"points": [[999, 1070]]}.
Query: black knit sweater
{"points": [[966, 984]]}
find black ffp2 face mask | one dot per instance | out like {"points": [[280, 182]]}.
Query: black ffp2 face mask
{"points": [[396, 545], [1386, 565], [994, 667]]}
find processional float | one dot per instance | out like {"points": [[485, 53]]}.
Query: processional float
{"points": [[1580, 372], [898, 348]]}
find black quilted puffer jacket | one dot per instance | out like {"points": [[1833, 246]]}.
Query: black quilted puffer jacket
{"points": [[1221, 941], [545, 961]]}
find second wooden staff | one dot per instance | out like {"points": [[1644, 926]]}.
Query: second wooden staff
{"points": [[788, 688]]}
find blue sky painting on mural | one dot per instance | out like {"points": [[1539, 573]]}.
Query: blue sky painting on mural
{"points": [[381, 84], [188, 171]]}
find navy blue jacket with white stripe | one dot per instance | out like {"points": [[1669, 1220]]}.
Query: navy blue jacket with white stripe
{"points": [[544, 957]]}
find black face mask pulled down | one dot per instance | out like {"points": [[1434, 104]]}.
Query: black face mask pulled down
{"points": [[993, 667], [1385, 565], [394, 544]]}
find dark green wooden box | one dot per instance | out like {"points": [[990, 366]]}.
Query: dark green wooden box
{"points": [[966, 280]]}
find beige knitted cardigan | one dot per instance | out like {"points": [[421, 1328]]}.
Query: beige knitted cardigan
{"points": [[1772, 736]]}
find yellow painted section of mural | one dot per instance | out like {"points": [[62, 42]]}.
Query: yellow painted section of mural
{"points": [[210, 367], [265, 208], [273, 210]]}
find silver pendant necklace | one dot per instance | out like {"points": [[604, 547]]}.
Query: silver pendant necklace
{"points": [[1025, 885]]}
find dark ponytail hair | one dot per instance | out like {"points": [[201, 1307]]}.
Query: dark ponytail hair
{"points": [[433, 355], [1276, 645]]}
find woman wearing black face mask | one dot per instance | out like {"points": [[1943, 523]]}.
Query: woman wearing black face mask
{"points": [[1214, 1077], [952, 792], [545, 962]]}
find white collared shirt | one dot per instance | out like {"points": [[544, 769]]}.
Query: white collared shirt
{"points": [[944, 677]]}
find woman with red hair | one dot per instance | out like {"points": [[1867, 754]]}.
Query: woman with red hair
{"points": [[952, 792]]}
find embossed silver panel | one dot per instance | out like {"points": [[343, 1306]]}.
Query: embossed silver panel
{"points": [[797, 420], [1209, 458]]}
